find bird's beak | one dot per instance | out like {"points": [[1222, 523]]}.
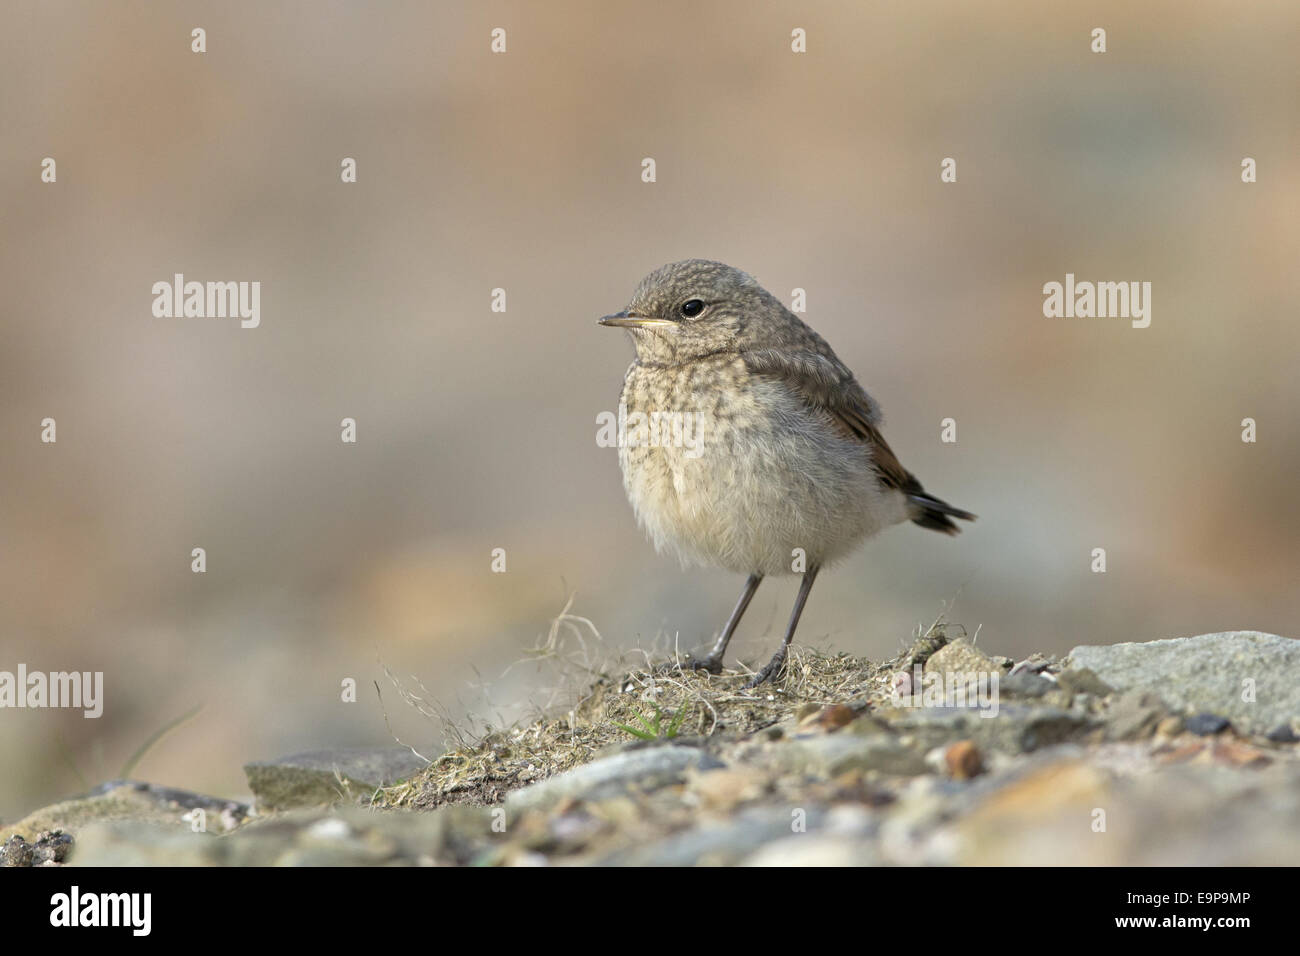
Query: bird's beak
{"points": [[622, 320]]}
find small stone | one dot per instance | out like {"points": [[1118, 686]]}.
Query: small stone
{"points": [[963, 760], [16, 852], [961, 657], [1179, 754], [806, 711], [1237, 754], [868, 725], [1133, 715], [1013, 729], [833, 717], [51, 846], [726, 789], [1283, 734], [1207, 725], [1171, 726], [1025, 684], [832, 755]]}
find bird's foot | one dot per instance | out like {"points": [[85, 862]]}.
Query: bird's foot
{"points": [[711, 664], [769, 671]]}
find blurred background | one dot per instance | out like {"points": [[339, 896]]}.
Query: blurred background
{"points": [[476, 430]]}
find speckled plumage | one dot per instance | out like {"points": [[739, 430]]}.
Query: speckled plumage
{"points": [[789, 453]]}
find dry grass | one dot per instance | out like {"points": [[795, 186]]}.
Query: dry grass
{"points": [[592, 703]]}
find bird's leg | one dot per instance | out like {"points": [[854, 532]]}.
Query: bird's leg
{"points": [[778, 658], [713, 663]]}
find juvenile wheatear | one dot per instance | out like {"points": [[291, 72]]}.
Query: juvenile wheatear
{"points": [[786, 456]]}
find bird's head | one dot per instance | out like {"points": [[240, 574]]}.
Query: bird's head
{"points": [[693, 308]]}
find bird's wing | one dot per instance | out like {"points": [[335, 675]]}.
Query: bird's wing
{"points": [[826, 384]]}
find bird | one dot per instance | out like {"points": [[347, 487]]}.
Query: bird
{"points": [[748, 445]]}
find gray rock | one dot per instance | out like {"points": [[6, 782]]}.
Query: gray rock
{"points": [[716, 844], [829, 755], [646, 768], [1026, 684], [141, 843], [347, 837], [1082, 680], [323, 777], [1208, 674], [130, 800], [1133, 715], [1014, 729]]}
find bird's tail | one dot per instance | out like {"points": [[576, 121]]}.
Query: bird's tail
{"points": [[931, 512]]}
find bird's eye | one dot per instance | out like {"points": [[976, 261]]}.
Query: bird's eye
{"points": [[692, 308]]}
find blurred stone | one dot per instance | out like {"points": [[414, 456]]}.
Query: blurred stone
{"points": [[1186, 815], [1025, 684], [1206, 725], [831, 717], [140, 843], [323, 777], [1082, 680], [642, 767], [1179, 753], [1133, 715], [1236, 753], [1013, 729], [351, 837], [830, 756], [725, 789], [723, 843], [815, 849], [1283, 734], [1170, 726], [963, 760], [129, 799]]}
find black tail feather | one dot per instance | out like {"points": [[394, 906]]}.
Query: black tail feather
{"points": [[931, 512]]}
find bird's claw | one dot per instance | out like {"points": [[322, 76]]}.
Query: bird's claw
{"points": [[772, 668], [711, 664]]}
